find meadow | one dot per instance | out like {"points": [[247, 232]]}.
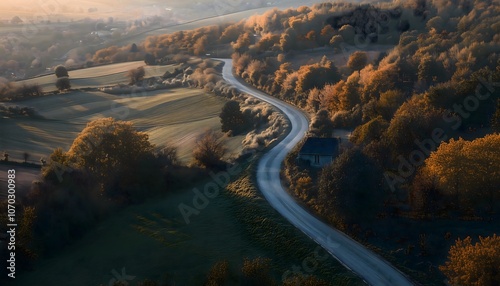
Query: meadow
{"points": [[176, 116], [154, 242], [99, 76]]}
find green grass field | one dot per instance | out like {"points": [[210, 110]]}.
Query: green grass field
{"points": [[149, 241], [152, 241], [176, 116]]}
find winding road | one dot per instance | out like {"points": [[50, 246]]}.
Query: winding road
{"points": [[366, 264]]}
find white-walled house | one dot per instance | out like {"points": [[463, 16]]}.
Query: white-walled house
{"points": [[319, 152]]}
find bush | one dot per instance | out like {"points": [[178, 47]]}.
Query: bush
{"points": [[168, 155], [136, 75], [112, 153], [63, 83], [61, 71], [149, 59], [232, 119], [357, 60], [476, 264], [209, 151], [256, 272], [219, 274], [322, 125], [347, 199]]}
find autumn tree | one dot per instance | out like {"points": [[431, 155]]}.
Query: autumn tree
{"points": [[231, 33], [61, 71], [257, 272], [389, 102], [413, 121], [425, 195], [304, 280], [316, 75], [346, 199], [468, 171], [288, 40], [430, 70], [495, 120], [149, 59], [109, 149], [347, 32], [168, 156], [474, 264], [280, 76], [322, 125], [136, 75], [326, 34], [357, 60], [200, 45], [370, 131], [25, 238], [209, 150], [349, 96], [232, 119], [133, 48], [218, 274], [63, 84], [242, 43], [336, 42]]}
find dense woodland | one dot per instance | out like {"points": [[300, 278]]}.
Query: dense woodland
{"points": [[416, 81]]}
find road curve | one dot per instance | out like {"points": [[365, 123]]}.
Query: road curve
{"points": [[368, 265]]}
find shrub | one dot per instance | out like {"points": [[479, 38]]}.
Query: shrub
{"points": [[476, 264], [136, 75], [357, 60], [232, 119], [61, 71], [63, 83], [209, 150]]}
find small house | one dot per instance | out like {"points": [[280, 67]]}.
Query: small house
{"points": [[319, 152]]}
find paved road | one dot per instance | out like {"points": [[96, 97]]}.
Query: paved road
{"points": [[368, 265]]}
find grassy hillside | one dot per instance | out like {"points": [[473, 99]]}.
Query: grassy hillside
{"points": [[99, 76], [183, 253], [176, 116], [156, 243]]}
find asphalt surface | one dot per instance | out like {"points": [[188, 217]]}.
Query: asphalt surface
{"points": [[372, 268]]}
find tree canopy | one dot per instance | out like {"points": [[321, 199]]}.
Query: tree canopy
{"points": [[357, 60], [209, 150], [474, 264], [63, 83], [468, 171], [136, 75], [61, 71], [347, 198], [232, 119], [107, 147]]}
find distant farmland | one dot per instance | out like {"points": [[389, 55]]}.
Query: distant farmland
{"points": [[99, 76], [177, 116]]}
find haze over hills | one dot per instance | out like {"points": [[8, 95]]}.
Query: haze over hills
{"points": [[36, 10]]}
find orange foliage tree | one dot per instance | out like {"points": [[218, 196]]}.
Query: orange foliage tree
{"points": [[468, 170], [476, 264]]}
